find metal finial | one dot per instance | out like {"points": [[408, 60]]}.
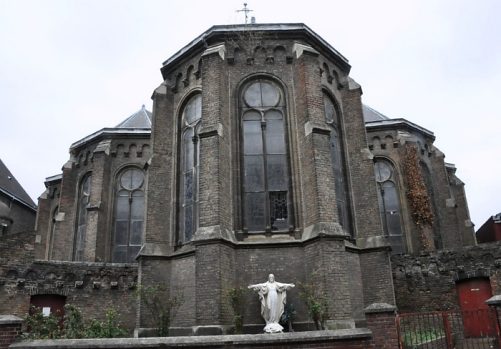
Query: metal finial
{"points": [[246, 11]]}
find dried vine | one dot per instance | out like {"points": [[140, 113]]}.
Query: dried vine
{"points": [[418, 197]]}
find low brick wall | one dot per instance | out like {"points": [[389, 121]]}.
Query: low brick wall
{"points": [[10, 329], [346, 339], [381, 320]]}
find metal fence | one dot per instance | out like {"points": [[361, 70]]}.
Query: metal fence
{"points": [[476, 329]]}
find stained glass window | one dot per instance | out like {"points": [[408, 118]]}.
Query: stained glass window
{"points": [[189, 165], [81, 226], [342, 203], [389, 204], [129, 215], [266, 202]]}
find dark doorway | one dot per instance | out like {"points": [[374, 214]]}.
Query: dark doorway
{"points": [[49, 304]]}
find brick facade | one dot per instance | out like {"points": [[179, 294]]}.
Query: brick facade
{"points": [[223, 253], [349, 264]]}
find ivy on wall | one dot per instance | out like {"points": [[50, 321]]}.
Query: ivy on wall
{"points": [[417, 195]]}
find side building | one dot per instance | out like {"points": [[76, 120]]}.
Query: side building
{"points": [[17, 209]]}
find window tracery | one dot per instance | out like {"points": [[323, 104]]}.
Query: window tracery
{"points": [[389, 203], [336, 150], [266, 183], [189, 168], [82, 214], [129, 215]]}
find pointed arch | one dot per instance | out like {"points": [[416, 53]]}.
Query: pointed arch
{"points": [[389, 203], [333, 119], [266, 184], [84, 191], [188, 169], [128, 218]]}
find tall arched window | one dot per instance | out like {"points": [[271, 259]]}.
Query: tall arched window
{"points": [[337, 159], [129, 215], [189, 164], [266, 184], [52, 229], [389, 204], [83, 202]]}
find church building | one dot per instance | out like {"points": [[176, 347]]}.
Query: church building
{"points": [[259, 157]]}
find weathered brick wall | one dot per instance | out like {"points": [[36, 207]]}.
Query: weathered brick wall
{"points": [[104, 159], [451, 226], [10, 330], [376, 276], [384, 330], [254, 266], [93, 287], [428, 282]]}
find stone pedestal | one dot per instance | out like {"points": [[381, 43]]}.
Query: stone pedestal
{"points": [[381, 321], [10, 329]]}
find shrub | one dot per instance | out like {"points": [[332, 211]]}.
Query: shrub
{"points": [[316, 303], [72, 325], [161, 305], [236, 298]]}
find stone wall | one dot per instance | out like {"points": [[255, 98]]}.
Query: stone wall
{"points": [[92, 287], [345, 339], [428, 282]]}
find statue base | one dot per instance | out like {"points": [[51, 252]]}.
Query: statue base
{"points": [[273, 327]]}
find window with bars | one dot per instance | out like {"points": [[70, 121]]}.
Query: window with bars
{"points": [[189, 167], [266, 183], [129, 215], [81, 225]]}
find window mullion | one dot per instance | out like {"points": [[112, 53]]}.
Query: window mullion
{"points": [[265, 175], [196, 150], [129, 218]]}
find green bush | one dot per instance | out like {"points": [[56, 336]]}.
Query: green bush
{"points": [[72, 325], [316, 303], [39, 326], [236, 298], [109, 328], [161, 305]]}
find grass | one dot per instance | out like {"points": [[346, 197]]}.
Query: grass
{"points": [[421, 336]]}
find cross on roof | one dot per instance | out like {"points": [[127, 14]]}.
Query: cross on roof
{"points": [[246, 11]]}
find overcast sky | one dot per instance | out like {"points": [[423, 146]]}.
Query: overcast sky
{"points": [[69, 68]]}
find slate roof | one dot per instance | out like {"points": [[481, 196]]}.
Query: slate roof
{"points": [[11, 187], [372, 115], [375, 120], [138, 123], [140, 119]]}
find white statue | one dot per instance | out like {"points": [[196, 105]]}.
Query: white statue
{"points": [[272, 295]]}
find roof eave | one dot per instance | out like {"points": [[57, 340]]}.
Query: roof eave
{"points": [[201, 41], [110, 132], [399, 123], [21, 201]]}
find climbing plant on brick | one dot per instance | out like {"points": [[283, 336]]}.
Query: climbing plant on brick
{"points": [[417, 195]]}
